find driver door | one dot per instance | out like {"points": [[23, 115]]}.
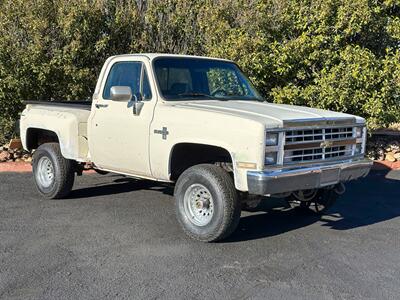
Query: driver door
{"points": [[119, 139]]}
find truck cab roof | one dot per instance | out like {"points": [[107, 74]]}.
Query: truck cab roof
{"points": [[152, 56]]}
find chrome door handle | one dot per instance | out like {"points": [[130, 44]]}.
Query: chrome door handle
{"points": [[101, 105]]}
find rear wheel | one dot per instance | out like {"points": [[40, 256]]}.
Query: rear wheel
{"points": [[207, 203], [316, 201], [54, 175]]}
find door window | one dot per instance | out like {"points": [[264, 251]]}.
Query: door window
{"points": [[132, 74]]}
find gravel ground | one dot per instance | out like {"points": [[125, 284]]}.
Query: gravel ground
{"points": [[117, 238]]}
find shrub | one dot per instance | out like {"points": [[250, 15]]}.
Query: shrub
{"points": [[340, 55], [7, 131]]}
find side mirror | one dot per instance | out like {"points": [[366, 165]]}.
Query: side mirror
{"points": [[121, 93]]}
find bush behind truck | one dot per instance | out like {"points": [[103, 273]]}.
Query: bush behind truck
{"points": [[338, 55]]}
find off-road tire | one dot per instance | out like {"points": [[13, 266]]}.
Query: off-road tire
{"points": [[322, 201], [227, 206], [63, 169]]}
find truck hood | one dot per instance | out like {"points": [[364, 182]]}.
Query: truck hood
{"points": [[271, 115]]}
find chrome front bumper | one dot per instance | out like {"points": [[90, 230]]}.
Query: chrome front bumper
{"points": [[284, 180]]}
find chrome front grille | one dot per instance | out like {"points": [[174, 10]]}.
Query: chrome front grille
{"points": [[338, 151], [315, 154], [318, 144], [320, 134]]}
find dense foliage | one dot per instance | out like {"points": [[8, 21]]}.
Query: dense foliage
{"points": [[342, 55]]}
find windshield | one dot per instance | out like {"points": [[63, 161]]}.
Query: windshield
{"points": [[197, 78]]}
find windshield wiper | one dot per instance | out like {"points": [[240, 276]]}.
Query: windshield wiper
{"points": [[241, 97], [258, 100], [197, 95]]}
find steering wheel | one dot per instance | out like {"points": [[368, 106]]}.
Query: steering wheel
{"points": [[219, 91]]}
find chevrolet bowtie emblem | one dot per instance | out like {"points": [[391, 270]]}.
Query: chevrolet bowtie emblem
{"points": [[326, 144]]}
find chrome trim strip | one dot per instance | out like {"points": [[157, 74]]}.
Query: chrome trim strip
{"points": [[281, 145], [313, 126], [320, 121], [316, 141], [317, 144]]}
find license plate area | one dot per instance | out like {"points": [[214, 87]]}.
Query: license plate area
{"points": [[330, 176]]}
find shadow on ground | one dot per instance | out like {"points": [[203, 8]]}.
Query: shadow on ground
{"points": [[120, 185], [367, 201]]}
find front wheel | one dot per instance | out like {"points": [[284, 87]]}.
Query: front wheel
{"points": [[54, 175], [207, 203]]}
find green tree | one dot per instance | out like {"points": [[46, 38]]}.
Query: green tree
{"points": [[341, 55]]}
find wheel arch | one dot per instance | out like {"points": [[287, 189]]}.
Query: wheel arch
{"points": [[184, 155], [37, 136]]}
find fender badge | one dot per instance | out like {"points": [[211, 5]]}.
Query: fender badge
{"points": [[164, 132]]}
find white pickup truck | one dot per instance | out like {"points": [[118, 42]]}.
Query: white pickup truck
{"points": [[199, 123]]}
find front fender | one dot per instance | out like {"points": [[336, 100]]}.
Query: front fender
{"points": [[242, 137]]}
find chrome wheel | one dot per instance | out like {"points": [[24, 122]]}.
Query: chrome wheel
{"points": [[198, 204], [45, 172]]}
